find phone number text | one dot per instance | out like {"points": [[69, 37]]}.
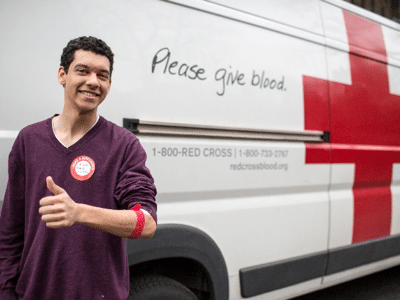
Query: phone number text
{"points": [[218, 152]]}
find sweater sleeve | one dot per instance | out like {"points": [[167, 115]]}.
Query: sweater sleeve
{"points": [[135, 183], [12, 222]]}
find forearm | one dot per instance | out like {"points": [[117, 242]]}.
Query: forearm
{"points": [[118, 222]]}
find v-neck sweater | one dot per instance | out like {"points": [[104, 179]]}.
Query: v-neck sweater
{"points": [[52, 125], [77, 262]]}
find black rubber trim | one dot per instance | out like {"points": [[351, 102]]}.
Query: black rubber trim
{"points": [[176, 240], [353, 256], [326, 137], [261, 279], [131, 124]]}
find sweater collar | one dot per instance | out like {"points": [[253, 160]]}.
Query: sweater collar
{"points": [[88, 135]]}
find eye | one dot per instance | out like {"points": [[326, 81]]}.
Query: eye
{"points": [[82, 71], [103, 76]]}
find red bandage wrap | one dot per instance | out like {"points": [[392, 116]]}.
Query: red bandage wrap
{"points": [[141, 220]]}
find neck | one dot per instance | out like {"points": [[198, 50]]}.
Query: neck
{"points": [[73, 123]]}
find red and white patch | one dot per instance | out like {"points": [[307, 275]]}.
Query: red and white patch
{"points": [[82, 168], [361, 127]]}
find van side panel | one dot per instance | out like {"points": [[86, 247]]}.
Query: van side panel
{"points": [[365, 138], [306, 17], [260, 190], [265, 206]]}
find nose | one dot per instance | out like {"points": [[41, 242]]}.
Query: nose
{"points": [[93, 80]]}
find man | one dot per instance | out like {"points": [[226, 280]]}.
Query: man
{"points": [[74, 180]]}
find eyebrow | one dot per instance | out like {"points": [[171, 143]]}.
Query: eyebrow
{"points": [[87, 67]]}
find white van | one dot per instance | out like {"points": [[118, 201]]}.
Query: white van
{"points": [[272, 130]]}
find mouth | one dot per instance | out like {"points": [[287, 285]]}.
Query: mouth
{"points": [[89, 94]]}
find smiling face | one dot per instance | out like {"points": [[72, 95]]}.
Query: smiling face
{"points": [[87, 82]]}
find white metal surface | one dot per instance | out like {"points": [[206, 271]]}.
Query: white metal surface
{"points": [[258, 200]]}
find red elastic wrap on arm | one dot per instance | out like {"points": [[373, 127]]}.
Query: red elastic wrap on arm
{"points": [[141, 220]]}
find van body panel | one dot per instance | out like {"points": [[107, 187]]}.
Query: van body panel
{"points": [[265, 205], [221, 58], [263, 196], [307, 16], [395, 188], [364, 120], [6, 142]]}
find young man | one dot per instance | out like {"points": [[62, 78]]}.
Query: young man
{"points": [[74, 180]]}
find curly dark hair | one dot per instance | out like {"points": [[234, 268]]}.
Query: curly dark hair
{"points": [[90, 43]]}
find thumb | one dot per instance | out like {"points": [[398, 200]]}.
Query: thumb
{"points": [[54, 188]]}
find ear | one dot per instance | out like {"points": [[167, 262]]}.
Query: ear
{"points": [[61, 75]]}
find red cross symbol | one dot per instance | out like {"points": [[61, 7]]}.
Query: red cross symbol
{"points": [[364, 123]]}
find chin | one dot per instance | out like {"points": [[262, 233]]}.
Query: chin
{"points": [[87, 110]]}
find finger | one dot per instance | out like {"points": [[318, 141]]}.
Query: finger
{"points": [[54, 188], [50, 200], [50, 209], [53, 217]]}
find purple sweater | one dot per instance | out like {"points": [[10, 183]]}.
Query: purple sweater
{"points": [[78, 262]]}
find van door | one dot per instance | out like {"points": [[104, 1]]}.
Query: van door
{"points": [[365, 136], [264, 201]]}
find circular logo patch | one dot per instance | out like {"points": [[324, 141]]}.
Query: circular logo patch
{"points": [[82, 168]]}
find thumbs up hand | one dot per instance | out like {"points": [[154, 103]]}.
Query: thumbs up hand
{"points": [[54, 188], [60, 210]]}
